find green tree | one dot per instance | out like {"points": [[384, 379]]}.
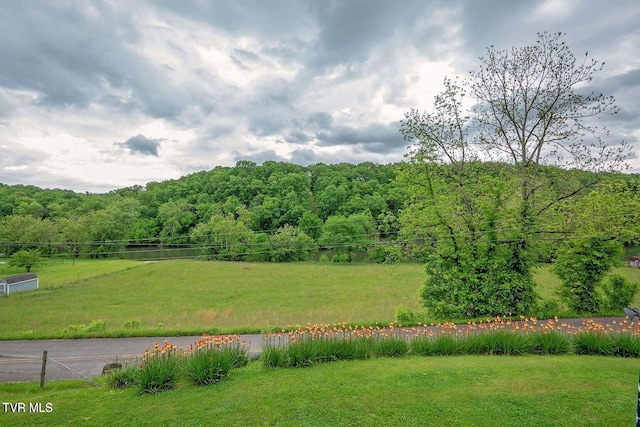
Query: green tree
{"points": [[177, 219], [618, 292], [289, 244], [26, 259], [348, 234], [75, 235], [581, 264], [527, 112], [224, 237], [310, 224]]}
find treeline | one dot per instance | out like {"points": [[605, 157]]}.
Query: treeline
{"points": [[270, 212], [282, 212]]}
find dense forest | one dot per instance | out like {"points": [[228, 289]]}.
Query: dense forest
{"points": [[285, 212]]}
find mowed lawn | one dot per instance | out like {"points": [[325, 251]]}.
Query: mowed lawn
{"points": [[192, 297], [411, 391], [196, 296]]}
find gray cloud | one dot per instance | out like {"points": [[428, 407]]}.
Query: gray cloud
{"points": [[140, 144], [321, 81], [259, 157], [304, 156], [376, 137]]}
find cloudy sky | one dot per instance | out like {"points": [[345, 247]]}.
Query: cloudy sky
{"points": [[101, 95]]}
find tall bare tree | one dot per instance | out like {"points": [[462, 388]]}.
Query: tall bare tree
{"points": [[531, 107]]}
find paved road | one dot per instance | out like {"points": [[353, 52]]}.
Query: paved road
{"points": [[88, 356]]}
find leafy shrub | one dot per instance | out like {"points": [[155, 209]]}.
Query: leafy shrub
{"points": [[484, 284], [581, 264], [97, 326], [619, 292], [407, 316], [548, 308], [341, 257], [385, 254]]}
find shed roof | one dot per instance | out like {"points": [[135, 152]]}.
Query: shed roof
{"points": [[19, 278], [635, 258]]}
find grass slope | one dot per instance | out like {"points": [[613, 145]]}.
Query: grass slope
{"points": [[413, 391], [197, 296]]}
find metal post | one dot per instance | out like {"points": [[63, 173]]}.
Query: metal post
{"points": [[638, 407], [44, 368]]}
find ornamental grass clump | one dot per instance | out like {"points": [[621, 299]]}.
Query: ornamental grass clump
{"points": [[324, 343], [550, 343], [389, 347], [207, 361], [318, 344], [159, 369], [592, 343], [626, 346], [122, 378], [208, 366], [211, 358]]}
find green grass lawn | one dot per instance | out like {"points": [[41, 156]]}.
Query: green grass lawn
{"points": [[411, 391], [137, 298]]}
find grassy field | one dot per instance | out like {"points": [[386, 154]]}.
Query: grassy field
{"points": [[115, 297], [197, 296], [411, 391]]}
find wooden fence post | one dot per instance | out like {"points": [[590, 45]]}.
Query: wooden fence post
{"points": [[43, 371]]}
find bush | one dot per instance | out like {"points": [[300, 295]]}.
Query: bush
{"points": [[97, 326], [548, 308], [385, 254], [341, 257], [619, 292], [581, 265]]}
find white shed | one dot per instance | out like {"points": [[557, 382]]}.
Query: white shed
{"points": [[18, 283]]}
